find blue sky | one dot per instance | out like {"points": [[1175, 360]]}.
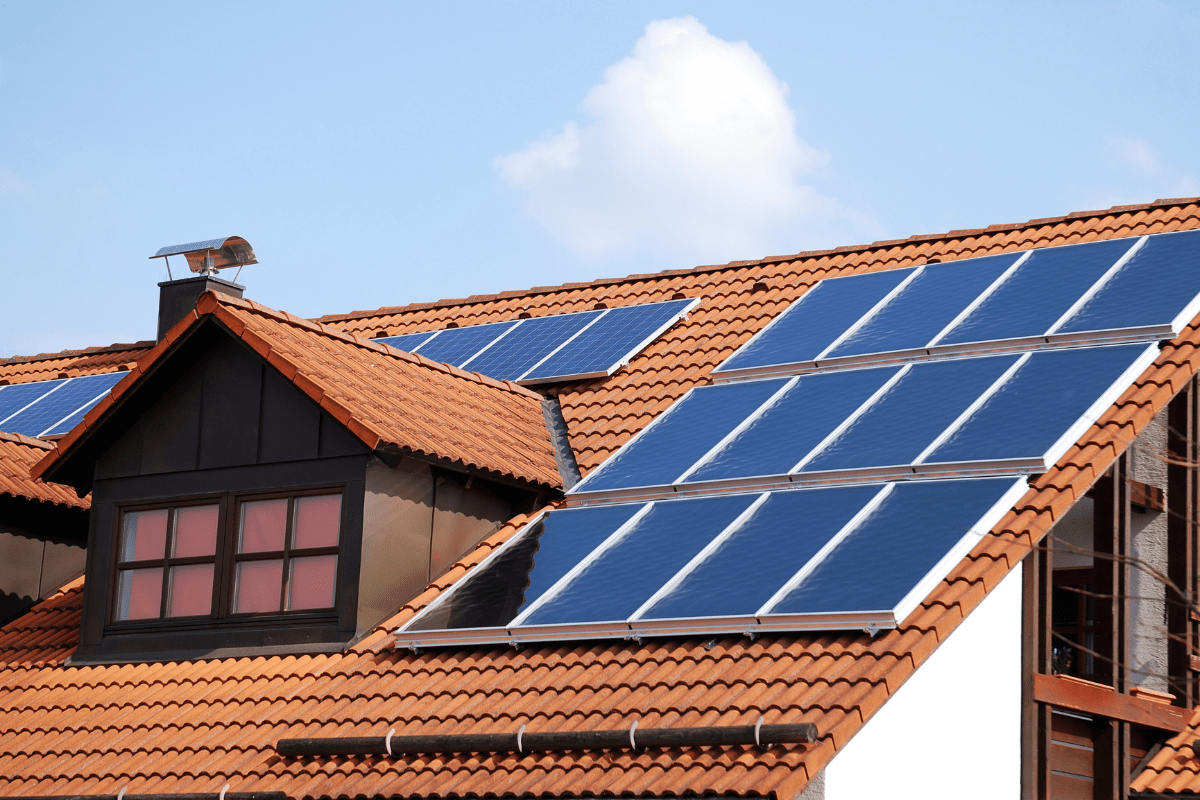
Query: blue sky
{"points": [[381, 154]]}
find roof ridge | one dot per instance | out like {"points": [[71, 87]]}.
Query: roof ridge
{"points": [[316, 326], [20, 438], [116, 347], [962, 233]]}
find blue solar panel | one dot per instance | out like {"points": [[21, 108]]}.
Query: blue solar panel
{"points": [[1041, 401], [14, 398], [1039, 292], [681, 436], [92, 388], [814, 321], [65, 401], [621, 578], [616, 336], [533, 340], [762, 554], [408, 341], [784, 433], [925, 306], [891, 551], [911, 414], [457, 345], [527, 567], [1161, 278]]}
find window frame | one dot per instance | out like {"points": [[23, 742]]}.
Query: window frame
{"points": [[225, 561]]}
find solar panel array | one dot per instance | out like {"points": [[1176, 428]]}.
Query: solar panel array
{"points": [[586, 344], [848, 457], [1116, 290], [52, 408], [720, 564]]}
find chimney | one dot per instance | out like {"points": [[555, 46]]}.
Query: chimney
{"points": [[176, 298]]}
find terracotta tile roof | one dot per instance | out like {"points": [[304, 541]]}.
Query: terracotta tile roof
{"points": [[737, 299], [71, 363], [1175, 769], [17, 455], [192, 727], [386, 398]]}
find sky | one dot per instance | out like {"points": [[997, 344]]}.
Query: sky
{"points": [[378, 154]]}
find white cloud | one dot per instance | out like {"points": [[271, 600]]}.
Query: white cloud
{"points": [[692, 147]]}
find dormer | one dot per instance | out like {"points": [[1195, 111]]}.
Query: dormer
{"points": [[263, 484]]}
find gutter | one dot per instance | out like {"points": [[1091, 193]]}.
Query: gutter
{"points": [[631, 738]]}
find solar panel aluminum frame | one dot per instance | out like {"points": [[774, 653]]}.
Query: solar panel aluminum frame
{"points": [[623, 361]]}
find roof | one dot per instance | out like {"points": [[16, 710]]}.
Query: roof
{"points": [[72, 363], [18, 454], [1175, 769], [736, 300], [386, 398], [195, 726]]}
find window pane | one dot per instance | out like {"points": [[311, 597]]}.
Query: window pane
{"points": [[195, 531], [145, 536], [258, 586], [318, 520], [190, 592], [139, 593], [264, 523], [312, 580]]}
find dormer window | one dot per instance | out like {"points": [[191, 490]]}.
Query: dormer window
{"points": [[187, 560]]}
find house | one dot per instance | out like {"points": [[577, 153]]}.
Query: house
{"points": [[316, 562]]}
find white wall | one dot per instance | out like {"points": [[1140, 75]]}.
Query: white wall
{"points": [[954, 729]]}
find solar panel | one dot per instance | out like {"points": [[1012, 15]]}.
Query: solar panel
{"points": [[773, 442], [611, 341], [722, 564], [807, 327], [1158, 284], [903, 421], [1039, 292], [617, 580], [512, 578], [1052, 396], [926, 305], [755, 558], [408, 341], [15, 398], [563, 347], [92, 388], [533, 340], [896, 548], [458, 346], [674, 441], [50, 408]]}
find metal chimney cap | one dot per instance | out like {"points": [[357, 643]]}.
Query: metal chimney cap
{"points": [[208, 256]]}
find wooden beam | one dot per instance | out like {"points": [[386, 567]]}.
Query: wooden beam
{"points": [[1145, 497], [1094, 698]]}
